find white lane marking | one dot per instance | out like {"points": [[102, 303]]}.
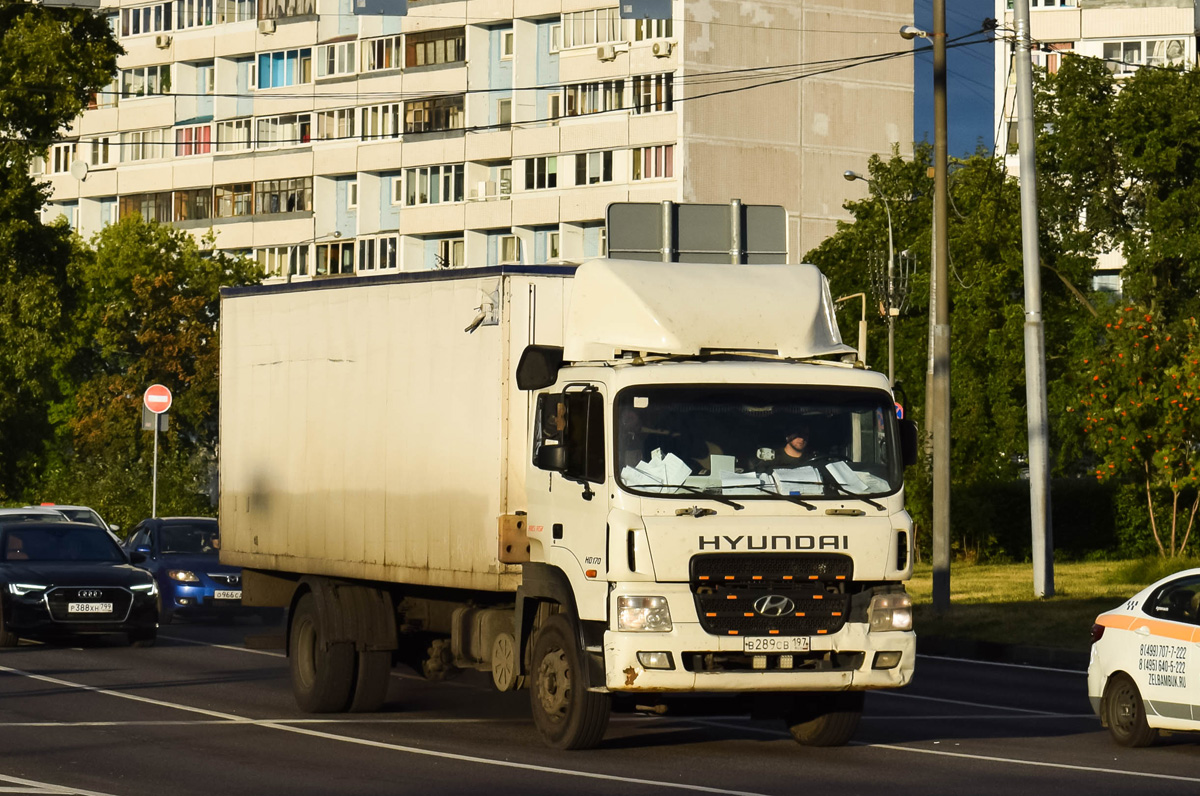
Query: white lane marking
{"points": [[1036, 763], [33, 786], [240, 722], [1009, 665], [964, 703], [380, 744]]}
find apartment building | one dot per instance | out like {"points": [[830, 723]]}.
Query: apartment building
{"points": [[473, 132], [1127, 34]]}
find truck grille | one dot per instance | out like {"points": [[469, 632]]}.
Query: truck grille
{"points": [[785, 594]]}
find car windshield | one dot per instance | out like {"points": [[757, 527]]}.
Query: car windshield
{"points": [[189, 538], [677, 441], [67, 543], [32, 516], [83, 515]]}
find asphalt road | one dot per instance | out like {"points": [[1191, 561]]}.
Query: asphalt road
{"points": [[201, 714]]}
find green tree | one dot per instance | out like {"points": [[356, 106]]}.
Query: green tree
{"points": [[149, 316], [51, 60], [1141, 413]]}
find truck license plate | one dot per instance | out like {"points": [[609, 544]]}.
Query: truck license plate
{"points": [[227, 595], [776, 644], [89, 608]]}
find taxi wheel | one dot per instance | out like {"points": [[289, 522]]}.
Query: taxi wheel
{"points": [[1125, 713]]}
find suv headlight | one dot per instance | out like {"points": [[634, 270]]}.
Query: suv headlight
{"points": [[890, 612], [643, 613], [183, 576], [21, 589]]}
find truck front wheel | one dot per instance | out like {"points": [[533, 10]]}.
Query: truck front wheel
{"points": [[322, 674], [824, 718], [566, 714]]}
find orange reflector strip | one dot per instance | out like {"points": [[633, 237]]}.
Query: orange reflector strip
{"points": [[730, 596], [748, 613], [591, 573], [733, 632], [812, 577], [800, 613], [729, 577], [757, 577], [822, 632], [787, 577], [704, 577], [713, 614], [818, 596], [837, 613], [773, 632], [841, 577]]}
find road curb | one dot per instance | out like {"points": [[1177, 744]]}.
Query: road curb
{"points": [[994, 652]]}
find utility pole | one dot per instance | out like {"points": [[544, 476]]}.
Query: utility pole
{"points": [[1035, 344], [940, 422]]}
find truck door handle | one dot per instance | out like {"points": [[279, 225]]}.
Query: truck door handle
{"points": [[556, 530]]}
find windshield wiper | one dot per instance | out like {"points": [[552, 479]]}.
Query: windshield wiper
{"points": [[799, 501], [709, 495], [832, 483]]}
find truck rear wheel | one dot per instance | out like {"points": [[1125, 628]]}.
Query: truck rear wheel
{"points": [[322, 674], [374, 673], [824, 718], [566, 714]]}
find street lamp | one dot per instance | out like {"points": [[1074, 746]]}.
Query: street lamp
{"points": [[892, 310]]}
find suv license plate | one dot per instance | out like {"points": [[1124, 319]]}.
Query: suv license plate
{"points": [[227, 595], [89, 608], [776, 644]]}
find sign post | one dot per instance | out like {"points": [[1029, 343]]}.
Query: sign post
{"points": [[157, 401]]}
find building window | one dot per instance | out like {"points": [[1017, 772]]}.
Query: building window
{"points": [[193, 13], [101, 150], [435, 47], [334, 258], [552, 246], [282, 9], [430, 185], [593, 167], [61, 157], [510, 249], [234, 200], [146, 81], [352, 194], [138, 21], [541, 173], [506, 45], [380, 121], [1124, 57], [278, 261], [451, 253], [504, 111], [653, 162], [555, 106], [294, 129], [377, 254], [194, 204], [430, 115], [556, 32], [653, 93], [644, 29], [384, 53], [106, 97], [150, 206], [193, 140], [143, 145], [283, 196], [335, 59], [235, 11], [284, 68], [234, 135], [336, 125], [598, 97], [597, 26]]}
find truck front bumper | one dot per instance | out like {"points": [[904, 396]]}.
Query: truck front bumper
{"points": [[690, 659]]}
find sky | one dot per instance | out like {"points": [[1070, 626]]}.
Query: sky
{"points": [[969, 79]]}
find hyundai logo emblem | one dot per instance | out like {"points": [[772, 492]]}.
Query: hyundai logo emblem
{"points": [[774, 605], [90, 594]]}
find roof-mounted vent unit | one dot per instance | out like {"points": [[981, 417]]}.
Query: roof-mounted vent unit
{"points": [[662, 49], [162, 41], [606, 52]]}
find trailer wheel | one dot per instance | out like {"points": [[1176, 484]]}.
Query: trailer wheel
{"points": [[1126, 714], [824, 718], [371, 681], [322, 674], [566, 714]]}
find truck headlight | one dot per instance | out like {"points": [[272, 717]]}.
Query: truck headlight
{"points": [[890, 612], [643, 613], [21, 589], [183, 576]]}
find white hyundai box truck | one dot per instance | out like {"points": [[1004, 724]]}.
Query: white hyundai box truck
{"points": [[581, 480]]}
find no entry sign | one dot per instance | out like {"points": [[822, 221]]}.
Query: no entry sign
{"points": [[157, 399]]}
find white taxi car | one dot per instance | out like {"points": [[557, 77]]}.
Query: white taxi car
{"points": [[1144, 674]]}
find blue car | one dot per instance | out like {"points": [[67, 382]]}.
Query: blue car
{"points": [[182, 554]]}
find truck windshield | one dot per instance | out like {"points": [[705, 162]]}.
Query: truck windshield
{"points": [[766, 441]]}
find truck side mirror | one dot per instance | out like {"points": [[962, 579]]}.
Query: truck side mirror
{"points": [[538, 366], [552, 457], [908, 442]]}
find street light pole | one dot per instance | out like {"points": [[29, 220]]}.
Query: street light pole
{"points": [[891, 309]]}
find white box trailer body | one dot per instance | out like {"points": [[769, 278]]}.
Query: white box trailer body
{"points": [[565, 475], [364, 434]]}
